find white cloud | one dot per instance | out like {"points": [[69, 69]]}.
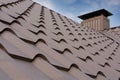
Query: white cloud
{"points": [[87, 11], [113, 2], [87, 1], [69, 1], [108, 3], [46, 3], [84, 12], [72, 16]]}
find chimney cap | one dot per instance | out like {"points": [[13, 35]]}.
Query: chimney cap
{"points": [[95, 13]]}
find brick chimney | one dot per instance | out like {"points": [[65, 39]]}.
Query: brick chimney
{"points": [[98, 20]]}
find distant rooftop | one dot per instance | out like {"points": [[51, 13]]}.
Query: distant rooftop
{"points": [[95, 13]]}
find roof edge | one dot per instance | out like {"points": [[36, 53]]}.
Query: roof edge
{"points": [[95, 13]]}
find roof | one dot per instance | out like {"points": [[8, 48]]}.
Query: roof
{"points": [[37, 43], [95, 13], [113, 32]]}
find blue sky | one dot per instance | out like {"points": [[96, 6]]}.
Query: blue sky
{"points": [[74, 8]]}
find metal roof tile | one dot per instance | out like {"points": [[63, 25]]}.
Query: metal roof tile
{"points": [[35, 39]]}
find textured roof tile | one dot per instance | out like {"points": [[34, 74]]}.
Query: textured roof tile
{"points": [[38, 43]]}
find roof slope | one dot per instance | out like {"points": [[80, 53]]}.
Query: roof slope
{"points": [[113, 33], [37, 43]]}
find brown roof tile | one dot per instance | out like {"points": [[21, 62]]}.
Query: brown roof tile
{"points": [[37, 43]]}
